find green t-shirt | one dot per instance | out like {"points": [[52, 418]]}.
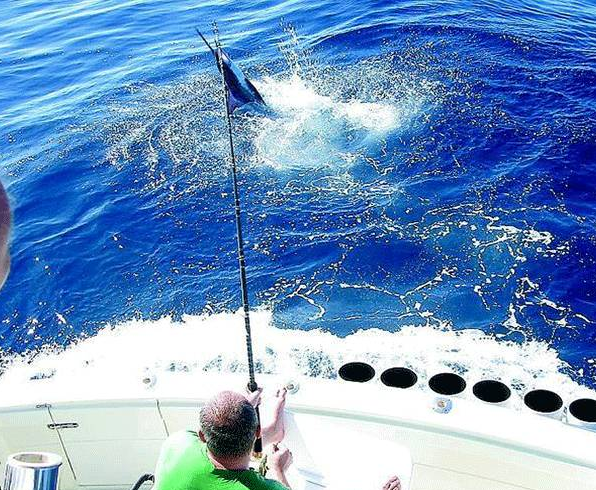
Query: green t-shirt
{"points": [[183, 464]]}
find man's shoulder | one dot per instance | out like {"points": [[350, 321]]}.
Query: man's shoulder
{"points": [[259, 482], [183, 437], [274, 485], [181, 441], [180, 462]]}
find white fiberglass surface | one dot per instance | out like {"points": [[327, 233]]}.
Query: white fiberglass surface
{"points": [[331, 425]]}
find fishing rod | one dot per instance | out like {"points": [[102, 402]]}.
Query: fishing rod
{"points": [[252, 384]]}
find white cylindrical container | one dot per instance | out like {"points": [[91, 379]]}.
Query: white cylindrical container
{"points": [[582, 412], [32, 471], [544, 402]]}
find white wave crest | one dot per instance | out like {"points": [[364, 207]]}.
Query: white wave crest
{"points": [[216, 343]]}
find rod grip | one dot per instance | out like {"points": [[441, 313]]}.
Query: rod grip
{"points": [[258, 447]]}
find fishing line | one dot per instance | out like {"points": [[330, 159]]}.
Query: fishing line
{"points": [[252, 384]]}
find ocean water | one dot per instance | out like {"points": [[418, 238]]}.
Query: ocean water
{"points": [[420, 192]]}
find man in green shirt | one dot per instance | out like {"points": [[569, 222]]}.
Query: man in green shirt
{"points": [[218, 456]]}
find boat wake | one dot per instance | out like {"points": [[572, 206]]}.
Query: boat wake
{"points": [[215, 343]]}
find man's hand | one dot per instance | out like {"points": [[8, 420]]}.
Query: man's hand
{"points": [[279, 462], [254, 397], [281, 459], [392, 484]]}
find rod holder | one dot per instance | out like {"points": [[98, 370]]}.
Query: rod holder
{"points": [[32, 471], [447, 384], [356, 372], [544, 402], [582, 412], [399, 377], [492, 391], [292, 387]]}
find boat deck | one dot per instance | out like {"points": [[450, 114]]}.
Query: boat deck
{"points": [[343, 435]]}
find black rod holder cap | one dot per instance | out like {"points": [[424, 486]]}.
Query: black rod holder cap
{"points": [[491, 391], [399, 377], [543, 401], [583, 409], [357, 372], [447, 384]]}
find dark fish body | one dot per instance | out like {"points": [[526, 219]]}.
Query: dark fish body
{"points": [[241, 90]]}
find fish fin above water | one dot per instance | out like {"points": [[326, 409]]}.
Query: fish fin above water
{"points": [[241, 90]]}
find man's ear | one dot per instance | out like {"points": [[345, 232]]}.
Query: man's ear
{"points": [[258, 434], [202, 436]]}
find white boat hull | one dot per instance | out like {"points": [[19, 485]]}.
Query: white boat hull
{"points": [[342, 435]]}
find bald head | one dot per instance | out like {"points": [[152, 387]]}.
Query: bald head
{"points": [[229, 425], [4, 234]]}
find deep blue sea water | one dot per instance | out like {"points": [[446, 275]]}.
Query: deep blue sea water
{"points": [[423, 162]]}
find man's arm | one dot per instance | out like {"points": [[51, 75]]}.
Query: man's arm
{"points": [[279, 462]]}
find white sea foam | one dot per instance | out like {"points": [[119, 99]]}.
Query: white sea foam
{"points": [[314, 129], [310, 129], [288, 96], [215, 343]]}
